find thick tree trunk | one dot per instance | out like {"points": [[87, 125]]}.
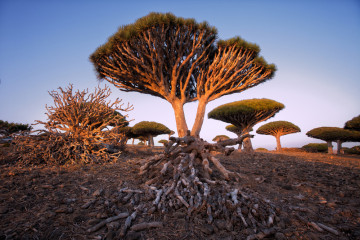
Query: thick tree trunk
{"points": [[181, 124], [339, 147], [200, 113], [248, 148], [278, 144], [330, 147], [151, 141]]}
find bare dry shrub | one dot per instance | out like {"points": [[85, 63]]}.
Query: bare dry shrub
{"points": [[82, 127]]}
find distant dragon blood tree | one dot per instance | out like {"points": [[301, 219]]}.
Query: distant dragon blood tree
{"points": [[150, 130], [7, 129], [278, 129], [245, 114], [334, 134], [81, 127], [353, 124], [219, 138], [179, 61]]}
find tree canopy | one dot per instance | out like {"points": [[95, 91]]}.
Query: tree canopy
{"points": [[246, 113], [180, 61], [353, 124], [278, 129]]}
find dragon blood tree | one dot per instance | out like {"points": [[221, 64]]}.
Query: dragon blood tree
{"points": [[334, 134], [353, 124], [150, 130], [238, 131], [245, 114], [219, 138], [278, 129], [179, 61]]}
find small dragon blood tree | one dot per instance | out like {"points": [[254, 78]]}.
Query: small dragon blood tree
{"points": [[278, 129], [150, 130], [219, 138], [245, 114]]}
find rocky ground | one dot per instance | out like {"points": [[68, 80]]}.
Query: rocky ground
{"points": [[316, 195]]}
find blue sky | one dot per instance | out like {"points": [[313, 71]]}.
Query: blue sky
{"points": [[315, 45]]}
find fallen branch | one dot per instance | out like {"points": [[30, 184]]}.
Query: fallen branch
{"points": [[108, 220], [142, 226]]}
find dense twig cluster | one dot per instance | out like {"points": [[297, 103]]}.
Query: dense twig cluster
{"points": [[81, 128], [188, 176]]}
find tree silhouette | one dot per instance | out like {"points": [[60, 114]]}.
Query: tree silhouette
{"points": [[178, 60]]}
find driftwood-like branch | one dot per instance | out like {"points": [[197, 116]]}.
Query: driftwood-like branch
{"points": [[108, 220], [143, 226]]}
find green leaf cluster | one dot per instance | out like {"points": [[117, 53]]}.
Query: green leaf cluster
{"points": [[353, 124], [334, 134], [272, 127], [147, 128], [7, 128], [316, 147], [247, 107]]}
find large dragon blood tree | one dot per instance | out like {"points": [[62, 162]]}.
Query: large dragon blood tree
{"points": [[245, 114], [278, 129], [179, 60]]}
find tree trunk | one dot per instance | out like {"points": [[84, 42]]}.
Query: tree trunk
{"points": [[200, 113], [181, 124], [248, 148], [278, 144], [240, 144], [151, 141], [330, 147], [339, 147]]}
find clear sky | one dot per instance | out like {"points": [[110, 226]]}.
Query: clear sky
{"points": [[314, 43]]}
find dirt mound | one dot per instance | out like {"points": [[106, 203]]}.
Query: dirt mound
{"points": [[316, 196]]}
